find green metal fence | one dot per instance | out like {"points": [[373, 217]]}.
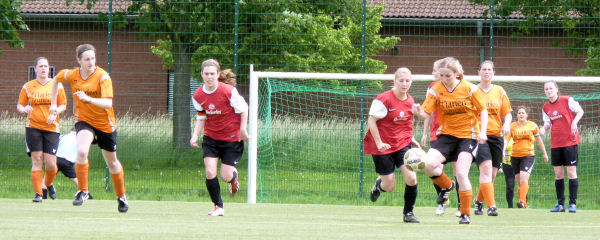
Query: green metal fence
{"points": [[152, 50]]}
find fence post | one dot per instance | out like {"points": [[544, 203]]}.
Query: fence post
{"points": [[235, 38], [492, 30], [362, 96]]}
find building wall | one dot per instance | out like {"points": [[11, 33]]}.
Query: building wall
{"points": [[140, 83]]}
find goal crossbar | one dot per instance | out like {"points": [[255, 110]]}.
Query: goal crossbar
{"points": [[253, 103]]}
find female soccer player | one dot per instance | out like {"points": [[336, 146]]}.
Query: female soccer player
{"points": [[223, 117], [523, 133], [489, 154], [458, 103], [430, 127], [94, 119], [42, 127], [509, 175], [558, 115], [389, 137]]}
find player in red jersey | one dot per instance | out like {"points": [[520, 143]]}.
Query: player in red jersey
{"points": [[94, 121], [389, 137], [42, 128], [524, 133], [558, 115], [223, 117], [489, 154], [463, 122]]}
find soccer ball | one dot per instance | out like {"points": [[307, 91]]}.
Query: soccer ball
{"points": [[415, 159]]}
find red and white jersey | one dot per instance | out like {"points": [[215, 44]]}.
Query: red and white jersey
{"points": [[394, 125], [221, 108], [559, 115]]}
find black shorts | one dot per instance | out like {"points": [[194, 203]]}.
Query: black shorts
{"points": [[106, 141], [41, 140], [452, 158], [564, 156], [387, 163], [451, 146], [524, 164], [66, 167], [230, 153], [491, 150]]}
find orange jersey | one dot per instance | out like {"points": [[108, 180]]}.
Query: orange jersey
{"points": [[523, 137], [498, 105], [458, 109], [39, 97], [97, 85]]}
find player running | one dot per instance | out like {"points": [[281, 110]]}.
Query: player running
{"points": [[42, 127], [94, 121], [558, 116], [223, 117], [389, 137], [524, 133], [459, 105]]}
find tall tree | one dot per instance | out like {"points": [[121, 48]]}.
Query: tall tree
{"points": [[11, 23], [580, 19], [290, 35]]}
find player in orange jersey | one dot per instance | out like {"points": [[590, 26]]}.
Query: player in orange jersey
{"points": [[222, 114], [524, 133], [42, 128], [463, 122], [562, 114], [489, 154], [430, 128], [94, 120]]}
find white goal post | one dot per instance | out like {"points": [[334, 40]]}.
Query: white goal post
{"points": [[253, 103]]}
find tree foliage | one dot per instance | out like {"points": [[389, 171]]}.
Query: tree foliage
{"points": [[11, 23], [580, 19]]}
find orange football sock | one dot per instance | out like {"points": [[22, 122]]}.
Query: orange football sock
{"points": [[523, 189], [480, 194], [443, 181], [466, 196], [119, 182], [50, 176], [37, 177], [487, 190], [82, 176]]}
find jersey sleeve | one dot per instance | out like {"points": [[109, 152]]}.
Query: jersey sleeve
{"points": [[477, 98], [430, 99], [506, 107], [574, 105], [378, 109], [61, 76], [237, 102], [23, 98], [201, 114], [536, 130], [106, 89], [62, 96], [546, 119]]}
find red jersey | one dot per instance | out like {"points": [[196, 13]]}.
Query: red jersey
{"points": [[221, 108], [435, 122], [560, 115], [395, 122]]}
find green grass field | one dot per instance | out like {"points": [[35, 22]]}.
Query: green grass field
{"points": [[99, 219]]}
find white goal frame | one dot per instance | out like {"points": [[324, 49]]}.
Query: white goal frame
{"points": [[253, 105]]}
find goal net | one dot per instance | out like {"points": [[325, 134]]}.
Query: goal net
{"points": [[307, 131]]}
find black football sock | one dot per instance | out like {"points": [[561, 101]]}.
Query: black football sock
{"points": [[559, 184], [214, 189], [573, 186], [410, 197]]}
